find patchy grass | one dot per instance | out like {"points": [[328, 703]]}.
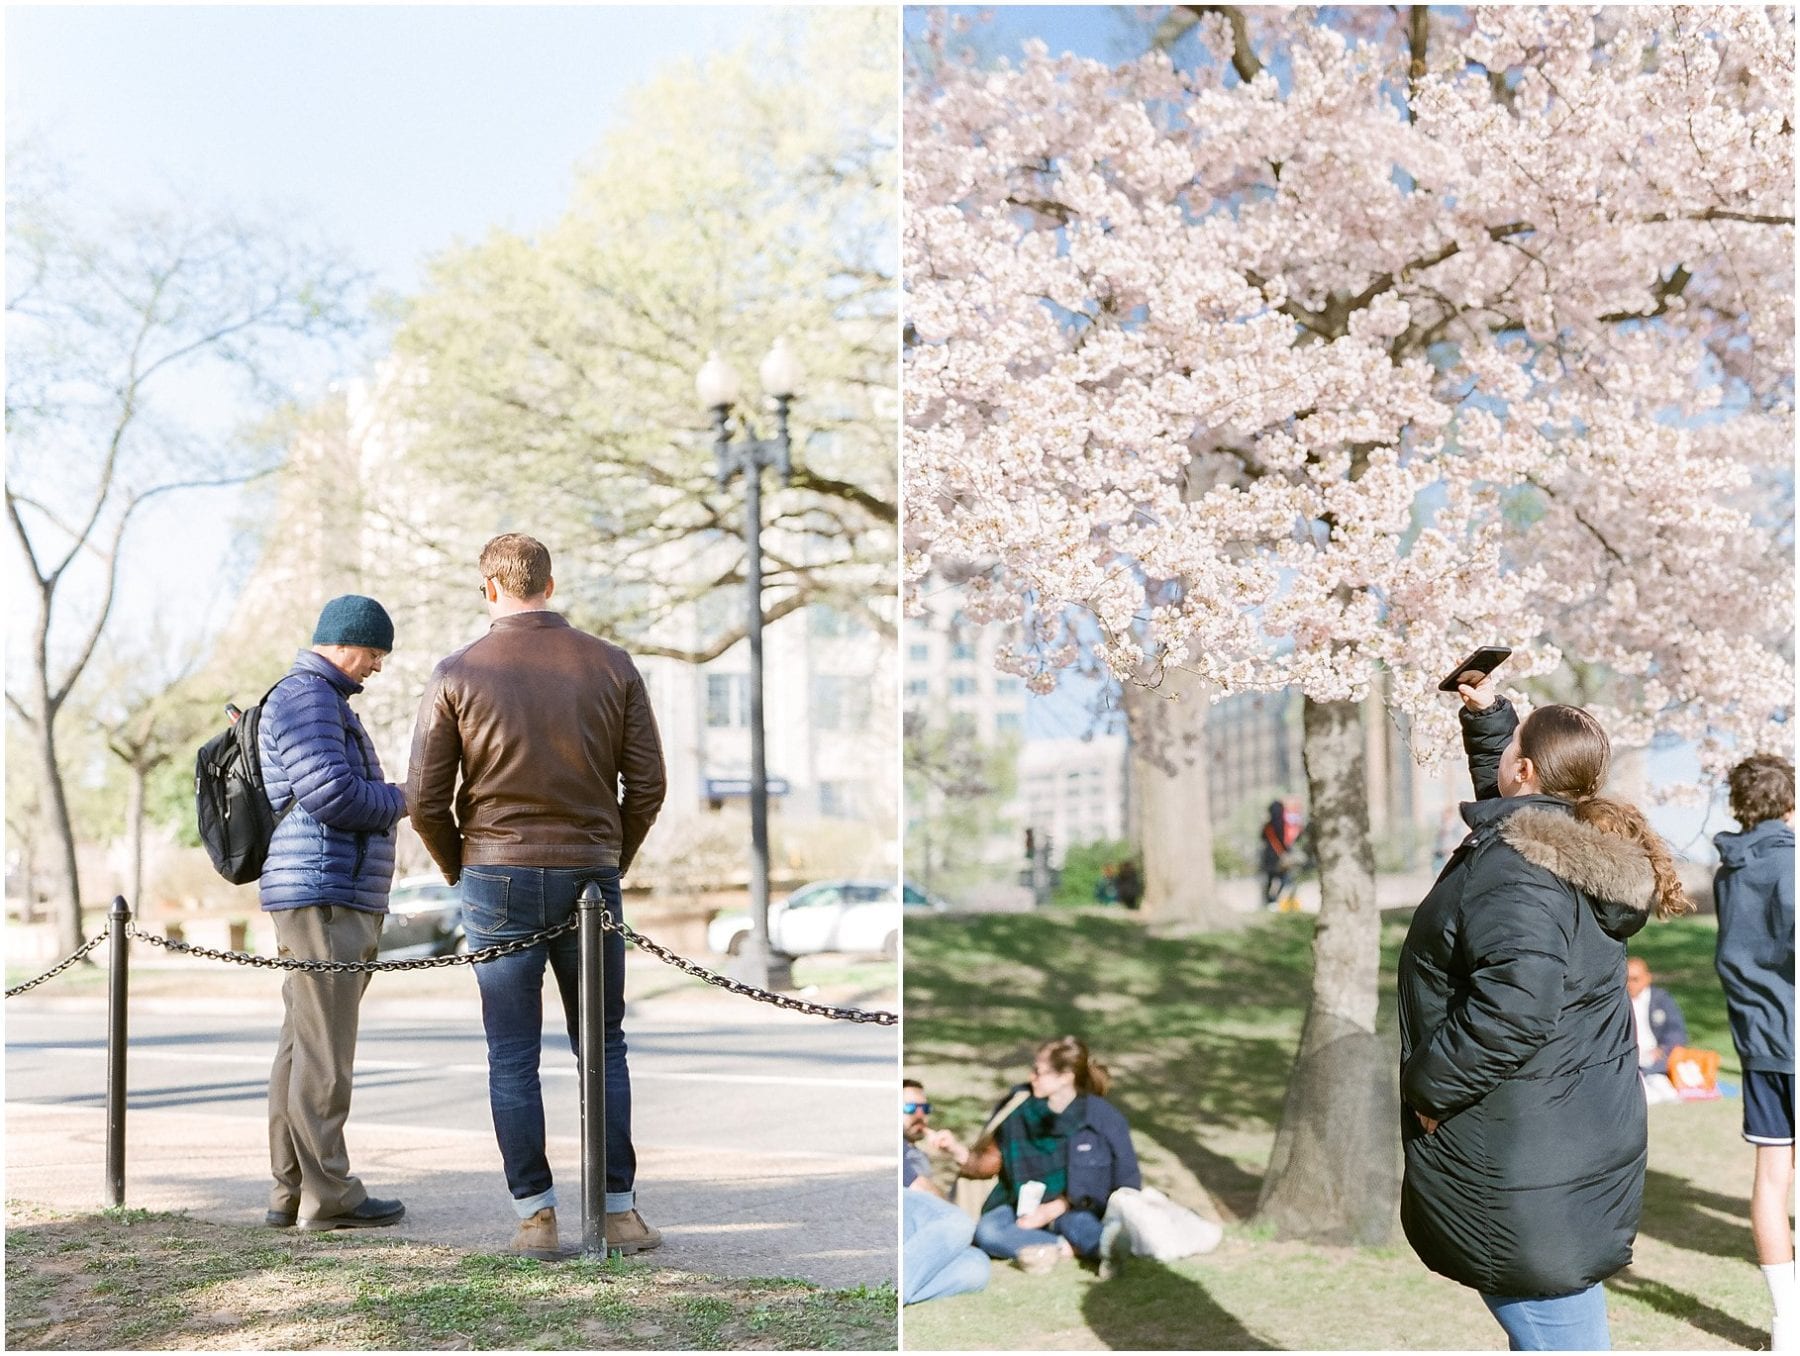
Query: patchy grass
{"points": [[139, 1279], [1199, 1031]]}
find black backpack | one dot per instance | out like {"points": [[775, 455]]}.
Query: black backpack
{"points": [[236, 820]]}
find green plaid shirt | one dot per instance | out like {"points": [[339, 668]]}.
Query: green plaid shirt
{"points": [[1034, 1147]]}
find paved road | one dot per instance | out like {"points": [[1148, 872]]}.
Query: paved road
{"points": [[766, 1141]]}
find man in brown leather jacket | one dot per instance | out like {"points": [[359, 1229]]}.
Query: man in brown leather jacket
{"points": [[562, 776]]}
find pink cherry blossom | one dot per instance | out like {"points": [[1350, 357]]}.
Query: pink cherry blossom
{"points": [[1341, 369]]}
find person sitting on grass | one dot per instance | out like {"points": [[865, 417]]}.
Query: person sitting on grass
{"points": [[1660, 1027], [1059, 1156], [1754, 894], [936, 1259]]}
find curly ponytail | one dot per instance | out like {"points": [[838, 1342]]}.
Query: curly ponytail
{"points": [[1625, 820]]}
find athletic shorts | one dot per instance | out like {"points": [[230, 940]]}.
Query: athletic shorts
{"points": [[1768, 1107]]}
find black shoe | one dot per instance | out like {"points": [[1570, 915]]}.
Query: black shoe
{"points": [[281, 1219], [371, 1214]]}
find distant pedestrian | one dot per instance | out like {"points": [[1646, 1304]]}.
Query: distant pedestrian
{"points": [[1754, 893], [1450, 834], [1106, 890], [1128, 885], [544, 723], [1524, 1126], [1276, 856], [325, 887]]}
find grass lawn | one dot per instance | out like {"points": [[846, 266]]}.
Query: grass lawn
{"points": [[1199, 1032], [140, 1280]]}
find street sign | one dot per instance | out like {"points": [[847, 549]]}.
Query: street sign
{"points": [[719, 788]]}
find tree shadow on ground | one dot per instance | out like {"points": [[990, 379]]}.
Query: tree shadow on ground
{"points": [[1199, 1031], [1150, 1306], [1686, 1216], [1665, 1299]]}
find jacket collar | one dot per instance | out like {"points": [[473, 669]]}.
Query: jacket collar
{"points": [[1735, 849], [1482, 814], [308, 661], [540, 620]]}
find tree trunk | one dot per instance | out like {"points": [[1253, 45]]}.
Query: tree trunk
{"points": [[1334, 1175], [1170, 805], [134, 830], [66, 903]]}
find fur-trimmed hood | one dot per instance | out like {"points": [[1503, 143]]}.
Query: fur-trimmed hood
{"points": [[1608, 869]]}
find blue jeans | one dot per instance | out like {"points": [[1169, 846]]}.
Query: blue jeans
{"points": [[499, 904], [999, 1235], [935, 1254], [1574, 1322]]}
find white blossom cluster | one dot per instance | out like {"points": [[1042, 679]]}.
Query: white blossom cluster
{"points": [[1293, 379]]}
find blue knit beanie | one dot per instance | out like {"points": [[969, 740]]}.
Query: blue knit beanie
{"points": [[354, 620]]}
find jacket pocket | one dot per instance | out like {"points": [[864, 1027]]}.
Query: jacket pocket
{"points": [[1090, 1170]]}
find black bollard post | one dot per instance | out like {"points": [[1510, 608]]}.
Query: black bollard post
{"points": [[591, 1056], [119, 919]]}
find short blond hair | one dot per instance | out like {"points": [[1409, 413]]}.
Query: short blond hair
{"points": [[519, 564]]}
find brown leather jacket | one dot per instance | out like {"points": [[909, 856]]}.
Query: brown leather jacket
{"points": [[544, 721]]}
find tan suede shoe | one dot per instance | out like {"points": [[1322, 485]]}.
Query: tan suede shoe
{"points": [[1035, 1259], [537, 1236], [627, 1232]]}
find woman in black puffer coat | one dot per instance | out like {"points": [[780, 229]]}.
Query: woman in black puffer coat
{"points": [[1523, 1124]]}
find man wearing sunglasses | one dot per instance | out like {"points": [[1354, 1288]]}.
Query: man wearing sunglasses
{"points": [[936, 1256]]}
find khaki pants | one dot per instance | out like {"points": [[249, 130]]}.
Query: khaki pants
{"points": [[309, 1087]]}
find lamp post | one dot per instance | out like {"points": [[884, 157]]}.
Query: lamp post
{"points": [[717, 384]]}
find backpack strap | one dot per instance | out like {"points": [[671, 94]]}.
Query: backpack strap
{"points": [[343, 724]]}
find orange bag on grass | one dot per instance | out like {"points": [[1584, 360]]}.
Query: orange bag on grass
{"points": [[1694, 1072]]}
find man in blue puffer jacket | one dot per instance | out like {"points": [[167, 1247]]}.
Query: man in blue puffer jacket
{"points": [[325, 885]]}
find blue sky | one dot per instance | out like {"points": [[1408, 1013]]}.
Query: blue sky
{"points": [[395, 129], [390, 131], [1087, 30]]}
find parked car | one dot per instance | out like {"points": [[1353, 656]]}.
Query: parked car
{"points": [[912, 897], [857, 916], [424, 919]]}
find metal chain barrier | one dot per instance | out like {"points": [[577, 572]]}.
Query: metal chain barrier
{"points": [[62, 965], [780, 1000], [486, 953]]}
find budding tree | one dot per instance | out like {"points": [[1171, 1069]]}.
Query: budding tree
{"points": [[123, 337], [1364, 339]]}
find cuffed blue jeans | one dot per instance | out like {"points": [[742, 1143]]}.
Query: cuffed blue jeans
{"points": [[501, 903], [935, 1252], [999, 1235], [1573, 1322]]}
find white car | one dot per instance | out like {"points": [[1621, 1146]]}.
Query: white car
{"points": [[857, 916]]}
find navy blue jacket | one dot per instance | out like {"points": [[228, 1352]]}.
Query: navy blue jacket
{"points": [[1101, 1159], [336, 846], [1754, 893], [1667, 1027]]}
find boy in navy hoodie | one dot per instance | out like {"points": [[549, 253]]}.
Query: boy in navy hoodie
{"points": [[1754, 893]]}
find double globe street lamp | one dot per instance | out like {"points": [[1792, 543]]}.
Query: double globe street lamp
{"points": [[718, 387]]}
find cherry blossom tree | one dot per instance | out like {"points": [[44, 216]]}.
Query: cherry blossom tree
{"points": [[1362, 338]]}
